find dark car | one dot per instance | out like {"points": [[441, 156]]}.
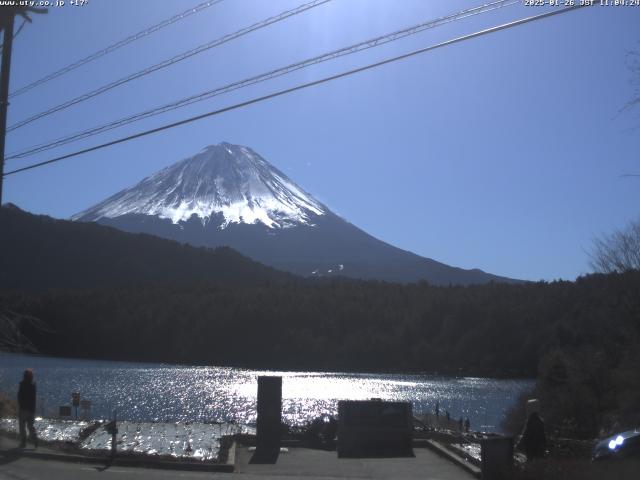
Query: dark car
{"points": [[620, 445]]}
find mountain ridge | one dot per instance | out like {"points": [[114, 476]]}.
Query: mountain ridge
{"points": [[228, 195]]}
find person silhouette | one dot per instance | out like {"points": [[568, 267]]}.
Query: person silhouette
{"points": [[533, 440], [27, 408]]}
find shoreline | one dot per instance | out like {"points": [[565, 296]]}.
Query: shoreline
{"points": [[246, 368], [166, 393]]}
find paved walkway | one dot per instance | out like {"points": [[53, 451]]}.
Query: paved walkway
{"points": [[34, 469], [319, 464], [296, 463]]}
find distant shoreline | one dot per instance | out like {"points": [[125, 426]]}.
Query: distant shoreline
{"points": [[247, 367]]}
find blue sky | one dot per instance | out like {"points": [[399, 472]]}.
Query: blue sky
{"points": [[503, 153]]}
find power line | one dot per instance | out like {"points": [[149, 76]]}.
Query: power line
{"points": [[17, 33], [279, 93], [171, 61], [113, 47], [358, 47]]}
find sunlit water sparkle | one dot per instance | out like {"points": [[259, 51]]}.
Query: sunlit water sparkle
{"points": [[175, 393]]}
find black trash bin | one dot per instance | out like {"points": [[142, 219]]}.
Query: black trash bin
{"points": [[497, 458]]}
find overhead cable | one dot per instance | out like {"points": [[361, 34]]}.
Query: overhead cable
{"points": [[279, 93], [358, 47], [169, 62], [113, 47]]}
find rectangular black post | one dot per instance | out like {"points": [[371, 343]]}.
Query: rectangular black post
{"points": [[75, 401], [269, 422], [497, 458], [112, 429]]}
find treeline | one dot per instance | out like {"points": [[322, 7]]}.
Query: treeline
{"points": [[589, 376], [494, 329]]}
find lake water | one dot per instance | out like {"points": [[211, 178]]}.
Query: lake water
{"points": [[176, 393]]}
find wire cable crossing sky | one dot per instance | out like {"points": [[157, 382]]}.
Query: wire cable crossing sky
{"points": [[115, 46], [171, 61], [351, 49], [300, 87]]}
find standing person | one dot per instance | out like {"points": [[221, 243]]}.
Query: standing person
{"points": [[467, 425], [534, 440], [27, 407], [437, 408]]}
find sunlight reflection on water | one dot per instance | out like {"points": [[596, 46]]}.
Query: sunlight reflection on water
{"points": [[168, 393]]}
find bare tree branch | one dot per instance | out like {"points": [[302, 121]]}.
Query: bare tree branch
{"points": [[617, 252], [12, 326]]}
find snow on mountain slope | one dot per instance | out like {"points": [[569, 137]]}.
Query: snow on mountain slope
{"points": [[228, 195], [225, 179]]}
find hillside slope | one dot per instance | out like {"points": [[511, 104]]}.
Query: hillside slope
{"points": [[37, 252]]}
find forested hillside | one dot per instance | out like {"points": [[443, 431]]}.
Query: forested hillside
{"points": [[39, 252], [495, 329]]}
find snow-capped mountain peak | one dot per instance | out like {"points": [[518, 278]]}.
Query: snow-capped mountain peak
{"points": [[226, 179]]}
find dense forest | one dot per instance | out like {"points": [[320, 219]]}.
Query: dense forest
{"points": [[492, 330], [581, 339]]}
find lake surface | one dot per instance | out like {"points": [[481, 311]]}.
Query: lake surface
{"points": [[176, 393]]}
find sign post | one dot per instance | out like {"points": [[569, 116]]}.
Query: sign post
{"points": [[112, 429], [75, 401]]}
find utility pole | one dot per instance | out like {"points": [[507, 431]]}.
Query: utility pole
{"points": [[7, 17], [7, 21]]}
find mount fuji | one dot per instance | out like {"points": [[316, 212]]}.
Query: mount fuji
{"points": [[228, 195]]}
